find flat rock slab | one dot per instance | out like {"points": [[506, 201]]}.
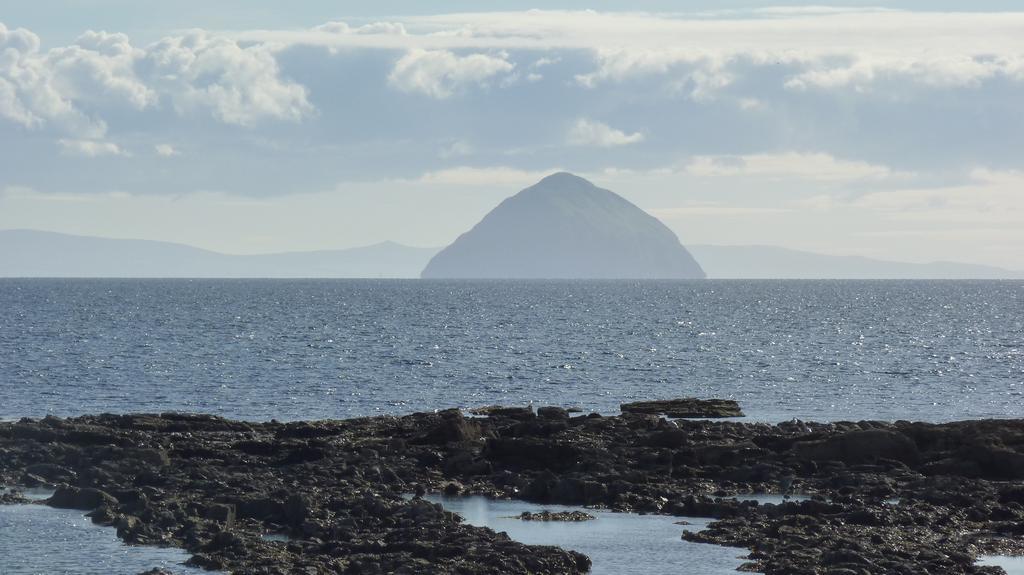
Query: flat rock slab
{"points": [[685, 407], [555, 516], [513, 412]]}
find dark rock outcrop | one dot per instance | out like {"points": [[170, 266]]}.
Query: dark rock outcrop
{"points": [[685, 407], [505, 411], [885, 497], [86, 498], [861, 446], [565, 227]]}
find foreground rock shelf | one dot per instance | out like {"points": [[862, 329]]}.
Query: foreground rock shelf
{"points": [[215, 487]]}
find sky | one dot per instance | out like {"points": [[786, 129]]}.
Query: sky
{"points": [[890, 130]]}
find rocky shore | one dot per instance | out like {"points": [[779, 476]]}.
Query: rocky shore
{"points": [[901, 498]]}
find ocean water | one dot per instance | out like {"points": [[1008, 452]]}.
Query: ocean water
{"points": [[308, 349], [262, 349]]}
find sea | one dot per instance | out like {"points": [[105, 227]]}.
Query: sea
{"points": [[327, 349]]}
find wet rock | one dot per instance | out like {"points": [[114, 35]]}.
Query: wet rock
{"points": [[14, 497], [126, 524], [261, 508], [996, 462], [859, 447], [30, 480], [685, 407], [51, 473], [533, 453], [450, 426], [504, 411], [221, 512], [151, 457], [296, 509], [452, 488], [546, 515], [673, 438], [86, 499], [552, 412], [302, 454]]}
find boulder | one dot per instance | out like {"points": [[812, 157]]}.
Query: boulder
{"points": [[221, 512], [151, 457], [451, 427], [86, 499], [855, 447], [552, 412], [51, 472], [996, 461]]}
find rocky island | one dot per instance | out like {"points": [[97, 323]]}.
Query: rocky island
{"points": [[566, 227], [901, 498]]}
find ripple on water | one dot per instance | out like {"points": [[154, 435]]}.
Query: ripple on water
{"points": [[303, 349]]}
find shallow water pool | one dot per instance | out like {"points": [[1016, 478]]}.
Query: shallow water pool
{"points": [[36, 539], [1012, 565], [615, 542], [769, 498]]}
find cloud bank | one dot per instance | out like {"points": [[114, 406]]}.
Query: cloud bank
{"points": [[876, 121]]}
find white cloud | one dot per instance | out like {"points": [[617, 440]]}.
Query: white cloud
{"points": [[617, 64], [100, 68], [338, 27], [751, 104], [790, 165], [585, 132], [829, 46], [472, 176], [90, 148], [11, 106], [862, 73], [236, 77], [30, 94], [239, 85], [440, 73], [166, 150]]}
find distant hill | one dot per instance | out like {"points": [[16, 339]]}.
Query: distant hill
{"points": [[565, 227], [754, 262], [29, 253]]}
